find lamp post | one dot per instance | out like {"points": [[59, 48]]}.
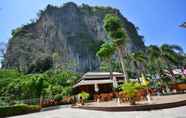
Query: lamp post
{"points": [[96, 88], [115, 86], [115, 83]]}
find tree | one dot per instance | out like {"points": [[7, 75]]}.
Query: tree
{"points": [[19, 86], [169, 55], [105, 53], [115, 30], [138, 59], [154, 60], [56, 60], [33, 85], [41, 64], [3, 47], [164, 57]]}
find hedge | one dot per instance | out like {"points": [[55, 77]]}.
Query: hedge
{"points": [[18, 110]]}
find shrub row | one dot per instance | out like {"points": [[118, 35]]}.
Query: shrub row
{"points": [[18, 110], [58, 100]]}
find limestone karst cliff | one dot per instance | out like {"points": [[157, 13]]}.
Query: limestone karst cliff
{"points": [[65, 34]]}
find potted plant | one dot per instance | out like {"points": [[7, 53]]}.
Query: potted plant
{"points": [[131, 89], [83, 97], [58, 98]]}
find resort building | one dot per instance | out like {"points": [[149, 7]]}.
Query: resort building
{"points": [[98, 82]]}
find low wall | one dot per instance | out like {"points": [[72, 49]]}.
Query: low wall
{"points": [[135, 107]]}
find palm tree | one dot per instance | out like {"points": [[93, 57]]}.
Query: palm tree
{"points": [[105, 53], [169, 54], [163, 57], [153, 63], [138, 59], [115, 30]]}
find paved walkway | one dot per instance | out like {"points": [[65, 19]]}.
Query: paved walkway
{"points": [[179, 112]]}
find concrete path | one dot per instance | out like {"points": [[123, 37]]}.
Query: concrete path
{"points": [[179, 112]]}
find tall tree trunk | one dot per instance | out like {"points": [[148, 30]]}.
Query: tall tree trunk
{"points": [[138, 72], [41, 100], [110, 68], [120, 54], [111, 73], [138, 78]]}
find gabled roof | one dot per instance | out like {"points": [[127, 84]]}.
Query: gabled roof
{"points": [[91, 78]]}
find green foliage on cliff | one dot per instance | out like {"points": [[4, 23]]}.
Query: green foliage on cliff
{"points": [[41, 65], [15, 31]]}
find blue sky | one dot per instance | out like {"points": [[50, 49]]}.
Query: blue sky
{"points": [[158, 20]]}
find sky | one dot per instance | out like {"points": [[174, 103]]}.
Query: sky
{"points": [[158, 20]]}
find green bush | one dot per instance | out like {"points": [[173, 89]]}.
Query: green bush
{"points": [[131, 89], [18, 110], [58, 97], [84, 95], [18, 86], [180, 79]]}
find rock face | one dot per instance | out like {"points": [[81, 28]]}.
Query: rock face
{"points": [[64, 35]]}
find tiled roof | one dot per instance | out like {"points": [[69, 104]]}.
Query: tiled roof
{"points": [[91, 78]]}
